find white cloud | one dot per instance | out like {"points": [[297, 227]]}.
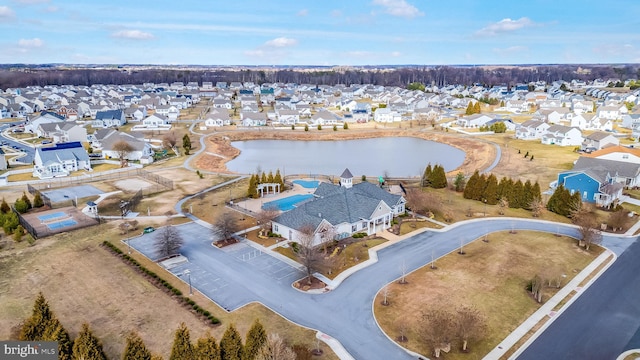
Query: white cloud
{"points": [[281, 42], [505, 26], [511, 50], [30, 43], [396, 53], [132, 34], [617, 52], [399, 8], [303, 12], [6, 13]]}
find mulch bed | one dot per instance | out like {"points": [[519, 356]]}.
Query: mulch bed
{"points": [[223, 243], [303, 284]]}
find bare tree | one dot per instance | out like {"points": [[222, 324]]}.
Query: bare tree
{"points": [[275, 349], [224, 227], [618, 219], [167, 242], [307, 254], [587, 222], [402, 330], [503, 204], [403, 269], [470, 325], [264, 218], [386, 292], [437, 330], [537, 206], [122, 149], [423, 202], [170, 140], [537, 285]]}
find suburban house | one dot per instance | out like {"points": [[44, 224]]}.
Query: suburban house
{"points": [[562, 135], [617, 153], [140, 149], [386, 115], [109, 118], [339, 211], [217, 118], [170, 111], [475, 120], [600, 181], [599, 140], [44, 118], [288, 117], [324, 117], [60, 160], [253, 118], [155, 121], [68, 132], [532, 130]]}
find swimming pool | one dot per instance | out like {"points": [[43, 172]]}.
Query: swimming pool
{"points": [[61, 224], [307, 184], [55, 215], [286, 204]]}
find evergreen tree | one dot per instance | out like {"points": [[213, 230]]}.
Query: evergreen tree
{"points": [[427, 175], [87, 346], [502, 103], [535, 191], [255, 340], [263, 178], [25, 198], [345, 126], [186, 144], [459, 182], [438, 178], [527, 195], [278, 179], [471, 185], [4, 207], [517, 195], [207, 348], [491, 190], [476, 108], [231, 344], [478, 192], [500, 192], [21, 206], [18, 233], [270, 177], [11, 222], [252, 191], [135, 348], [56, 332], [562, 202], [182, 348], [37, 200], [469, 110], [35, 326]]}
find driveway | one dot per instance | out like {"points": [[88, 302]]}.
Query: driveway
{"points": [[234, 277]]}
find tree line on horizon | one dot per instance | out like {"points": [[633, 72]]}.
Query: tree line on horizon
{"points": [[20, 75]]}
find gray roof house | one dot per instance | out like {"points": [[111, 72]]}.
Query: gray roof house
{"points": [[338, 211], [60, 160], [109, 118]]}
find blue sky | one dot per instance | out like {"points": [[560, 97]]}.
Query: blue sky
{"points": [[304, 32]]}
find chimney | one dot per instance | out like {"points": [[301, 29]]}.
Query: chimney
{"points": [[319, 215]]}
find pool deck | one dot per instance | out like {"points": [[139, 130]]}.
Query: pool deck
{"points": [[255, 205]]}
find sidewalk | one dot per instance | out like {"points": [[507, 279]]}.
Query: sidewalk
{"points": [[547, 310]]}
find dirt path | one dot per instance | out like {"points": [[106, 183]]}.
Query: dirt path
{"points": [[479, 155]]}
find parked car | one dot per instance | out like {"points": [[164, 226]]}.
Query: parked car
{"points": [[44, 142], [148, 229]]}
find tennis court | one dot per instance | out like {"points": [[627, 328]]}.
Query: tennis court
{"points": [[62, 224], [45, 223], [53, 216]]}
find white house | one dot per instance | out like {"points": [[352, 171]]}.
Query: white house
{"points": [[475, 120], [60, 160], [155, 121], [532, 130], [562, 135], [140, 149], [44, 118], [170, 111], [253, 118], [339, 211], [599, 140], [217, 118], [386, 115], [109, 118], [324, 117]]}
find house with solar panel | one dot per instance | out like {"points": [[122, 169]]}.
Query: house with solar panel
{"points": [[339, 211], [60, 160]]}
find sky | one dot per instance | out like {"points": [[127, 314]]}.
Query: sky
{"points": [[328, 32]]}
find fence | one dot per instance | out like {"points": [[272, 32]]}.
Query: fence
{"points": [[39, 229]]}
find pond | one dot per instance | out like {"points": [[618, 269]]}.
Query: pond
{"points": [[395, 156]]}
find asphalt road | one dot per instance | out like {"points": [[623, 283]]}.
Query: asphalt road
{"points": [[28, 150], [601, 324], [346, 312]]}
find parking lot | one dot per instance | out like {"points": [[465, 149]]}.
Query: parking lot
{"points": [[231, 276]]}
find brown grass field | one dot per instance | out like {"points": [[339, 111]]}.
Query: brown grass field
{"points": [[491, 277]]}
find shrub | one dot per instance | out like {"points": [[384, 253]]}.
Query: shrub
{"points": [[306, 127], [335, 128], [295, 247], [345, 126], [319, 127]]}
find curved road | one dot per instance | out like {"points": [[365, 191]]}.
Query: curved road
{"points": [[346, 312]]}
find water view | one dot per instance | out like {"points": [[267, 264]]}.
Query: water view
{"points": [[395, 156]]}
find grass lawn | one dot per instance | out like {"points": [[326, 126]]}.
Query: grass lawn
{"points": [[353, 254], [85, 283], [20, 177], [408, 226], [492, 277]]}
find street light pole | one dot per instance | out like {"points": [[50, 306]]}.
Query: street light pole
{"points": [[188, 273]]}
